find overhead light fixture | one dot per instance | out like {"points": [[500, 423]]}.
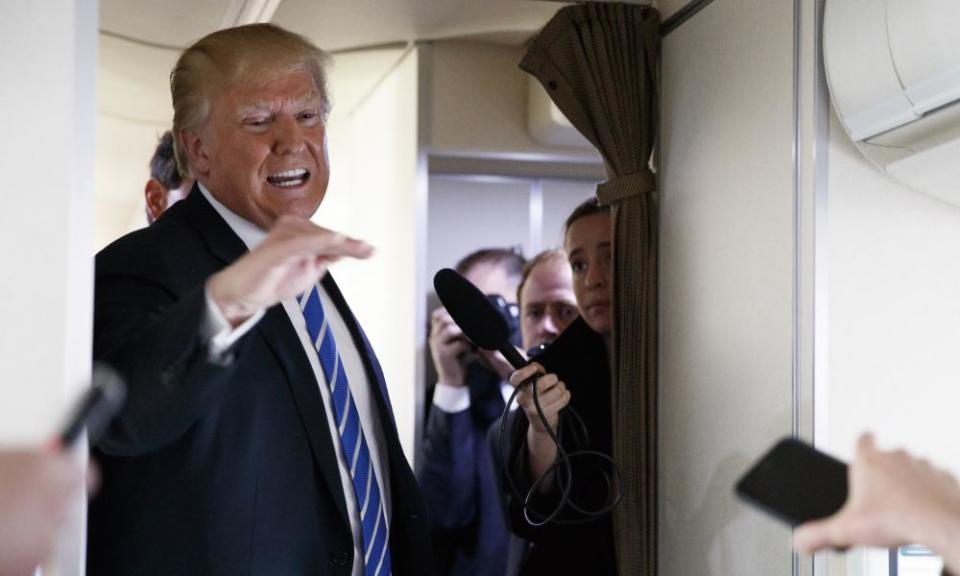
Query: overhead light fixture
{"points": [[241, 12]]}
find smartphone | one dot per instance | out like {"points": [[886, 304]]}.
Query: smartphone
{"points": [[795, 482], [95, 409]]}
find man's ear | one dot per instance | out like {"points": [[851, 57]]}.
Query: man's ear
{"points": [[193, 145], [155, 194]]}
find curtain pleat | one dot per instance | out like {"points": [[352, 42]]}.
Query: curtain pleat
{"points": [[598, 62]]}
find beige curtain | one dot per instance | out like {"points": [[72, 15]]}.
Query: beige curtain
{"points": [[598, 62]]}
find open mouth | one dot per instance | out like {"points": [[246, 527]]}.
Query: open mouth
{"points": [[289, 178]]}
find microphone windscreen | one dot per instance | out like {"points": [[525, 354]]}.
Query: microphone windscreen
{"points": [[471, 310]]}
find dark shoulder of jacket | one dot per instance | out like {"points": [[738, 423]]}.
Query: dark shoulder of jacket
{"points": [[169, 250]]}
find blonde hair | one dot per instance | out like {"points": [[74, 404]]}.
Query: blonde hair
{"points": [[252, 53]]}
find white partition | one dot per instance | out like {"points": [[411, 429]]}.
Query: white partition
{"points": [[375, 193], [133, 110], [46, 224], [727, 282], [894, 329]]}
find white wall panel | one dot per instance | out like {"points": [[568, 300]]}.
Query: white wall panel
{"points": [[46, 225], [560, 197], [469, 213], [727, 282], [374, 195], [479, 105], [894, 312]]}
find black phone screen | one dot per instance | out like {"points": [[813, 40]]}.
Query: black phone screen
{"points": [[795, 482]]}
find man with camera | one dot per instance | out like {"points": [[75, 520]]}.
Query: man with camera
{"points": [[469, 533]]}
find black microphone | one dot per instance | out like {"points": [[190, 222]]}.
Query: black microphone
{"points": [[475, 315], [96, 408]]}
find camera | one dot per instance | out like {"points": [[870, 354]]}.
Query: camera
{"points": [[510, 313]]}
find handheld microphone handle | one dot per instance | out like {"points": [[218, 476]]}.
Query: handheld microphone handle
{"points": [[512, 356]]}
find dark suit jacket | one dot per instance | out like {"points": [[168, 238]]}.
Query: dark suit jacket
{"points": [[558, 548], [222, 468], [469, 530]]}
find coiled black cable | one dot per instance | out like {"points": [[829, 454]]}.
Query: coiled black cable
{"points": [[561, 466]]}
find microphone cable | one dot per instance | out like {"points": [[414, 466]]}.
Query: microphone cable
{"points": [[561, 467]]}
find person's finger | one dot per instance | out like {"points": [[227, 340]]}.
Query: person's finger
{"points": [[544, 397], [439, 317], [549, 409], [446, 327], [810, 537], [340, 246], [553, 399], [552, 406], [818, 534], [547, 382], [456, 346], [523, 374], [321, 242], [451, 331]]}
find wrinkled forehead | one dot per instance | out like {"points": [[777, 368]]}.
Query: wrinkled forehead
{"points": [[254, 103]]}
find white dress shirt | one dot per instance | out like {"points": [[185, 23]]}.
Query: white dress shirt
{"points": [[221, 337], [453, 399]]}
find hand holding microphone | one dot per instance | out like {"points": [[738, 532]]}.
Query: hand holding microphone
{"points": [[552, 394], [542, 398]]}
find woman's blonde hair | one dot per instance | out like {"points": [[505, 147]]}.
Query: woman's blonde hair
{"points": [[252, 53]]}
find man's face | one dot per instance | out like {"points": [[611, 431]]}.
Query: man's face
{"points": [[547, 302], [588, 244], [493, 279], [263, 150]]}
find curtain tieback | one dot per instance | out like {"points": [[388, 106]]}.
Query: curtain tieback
{"points": [[619, 187]]}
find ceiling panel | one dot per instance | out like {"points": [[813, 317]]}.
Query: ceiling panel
{"points": [[334, 24], [169, 23], [343, 24]]}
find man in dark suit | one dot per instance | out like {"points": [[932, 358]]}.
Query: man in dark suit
{"points": [[258, 436], [470, 531]]}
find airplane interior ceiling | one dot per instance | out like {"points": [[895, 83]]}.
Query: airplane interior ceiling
{"points": [[333, 24]]}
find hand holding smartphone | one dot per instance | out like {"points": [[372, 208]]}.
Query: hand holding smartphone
{"points": [[795, 482]]}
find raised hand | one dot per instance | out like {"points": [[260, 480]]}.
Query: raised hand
{"points": [[293, 257], [894, 499], [448, 347]]}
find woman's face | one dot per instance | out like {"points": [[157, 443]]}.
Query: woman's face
{"points": [[589, 247]]}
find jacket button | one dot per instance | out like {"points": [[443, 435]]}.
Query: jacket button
{"points": [[340, 558]]}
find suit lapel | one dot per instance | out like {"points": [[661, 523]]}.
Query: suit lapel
{"points": [[281, 337], [223, 243]]}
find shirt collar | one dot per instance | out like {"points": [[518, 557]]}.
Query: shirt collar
{"points": [[249, 232]]}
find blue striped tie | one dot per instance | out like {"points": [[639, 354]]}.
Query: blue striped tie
{"points": [[375, 530]]}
